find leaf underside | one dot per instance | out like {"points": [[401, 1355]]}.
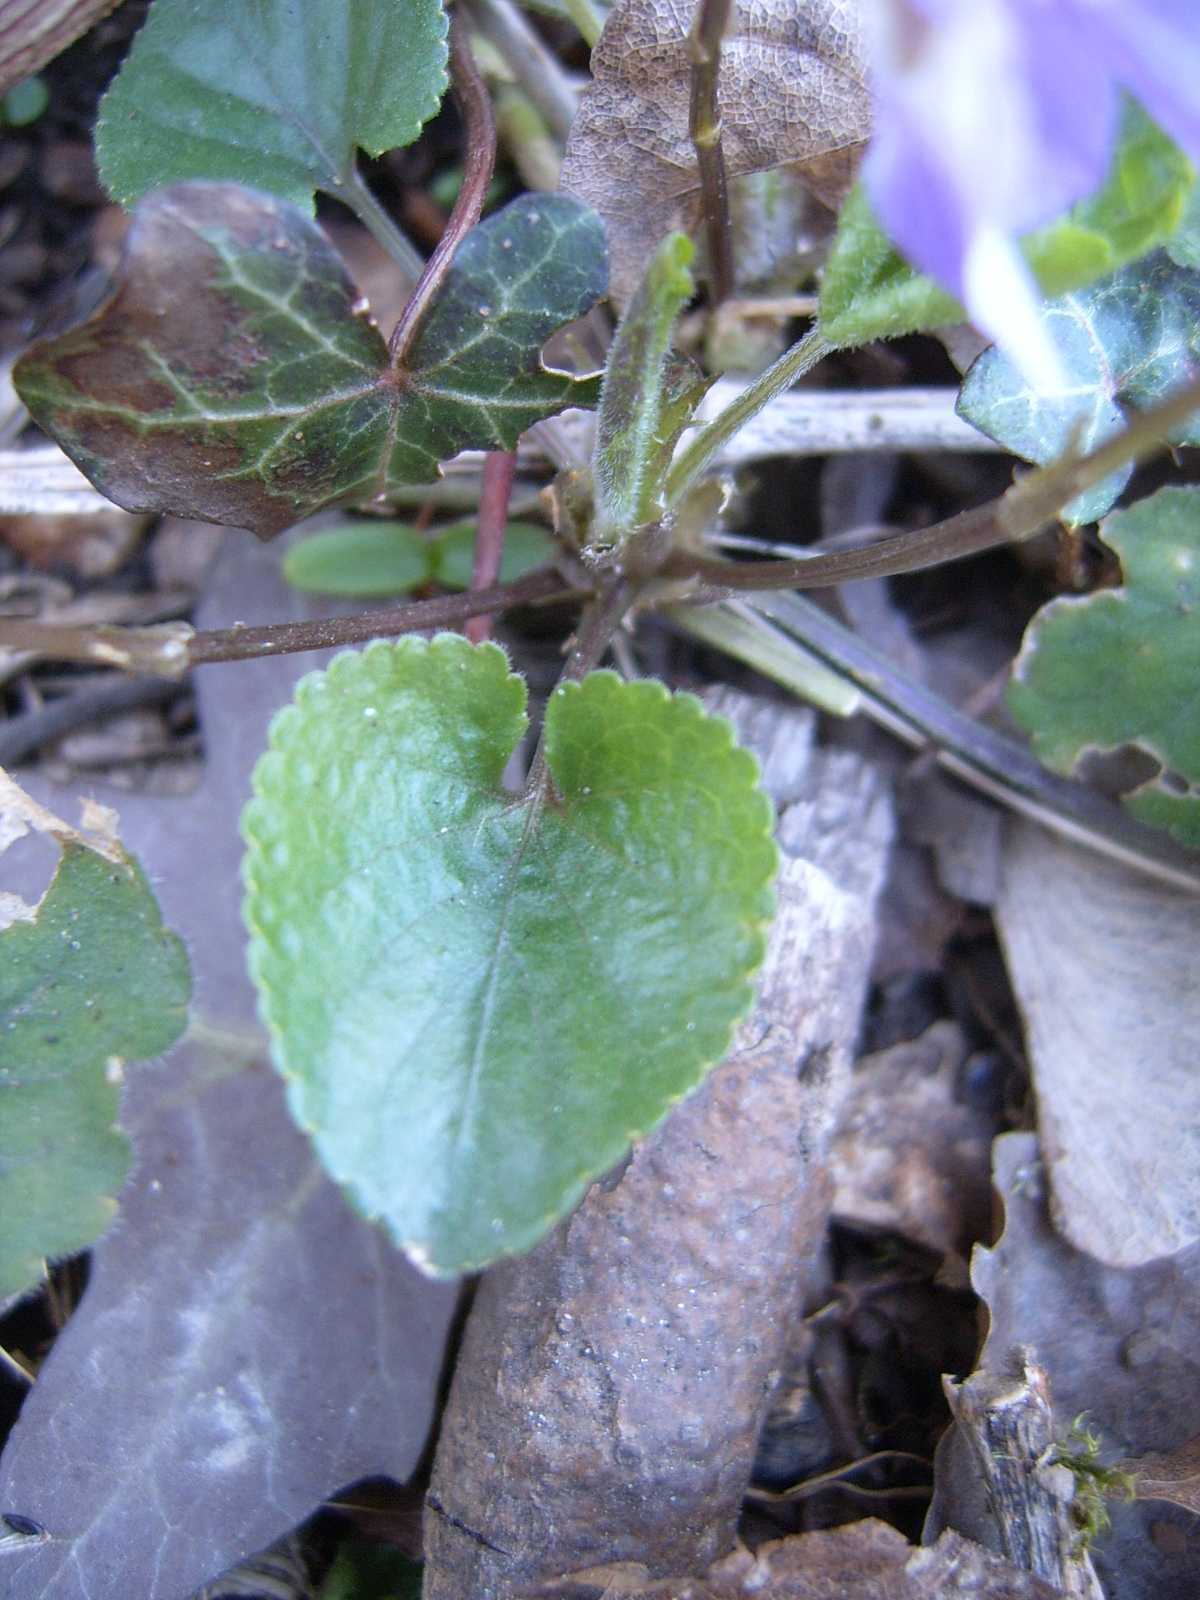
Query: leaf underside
{"points": [[478, 1001], [1121, 666], [1125, 343], [231, 375], [269, 93], [94, 980]]}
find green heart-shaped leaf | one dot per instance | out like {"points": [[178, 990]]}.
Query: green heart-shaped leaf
{"points": [[273, 93], [478, 1000], [1122, 666], [95, 978], [230, 377]]}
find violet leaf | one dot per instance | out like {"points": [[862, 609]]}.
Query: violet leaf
{"points": [[269, 92]]}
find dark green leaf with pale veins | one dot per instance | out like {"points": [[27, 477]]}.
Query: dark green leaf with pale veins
{"points": [[1123, 666], [275, 93], [93, 980], [478, 1001], [1126, 342], [229, 376]]}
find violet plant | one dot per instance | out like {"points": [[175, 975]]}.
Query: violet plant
{"points": [[479, 997]]}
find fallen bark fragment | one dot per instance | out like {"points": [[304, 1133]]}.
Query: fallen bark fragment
{"points": [[866, 1560], [999, 1480], [608, 1396]]}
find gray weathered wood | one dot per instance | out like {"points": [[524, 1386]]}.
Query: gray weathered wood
{"points": [[611, 1384]]}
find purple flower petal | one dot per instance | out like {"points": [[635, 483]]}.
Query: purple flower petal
{"points": [[994, 116]]}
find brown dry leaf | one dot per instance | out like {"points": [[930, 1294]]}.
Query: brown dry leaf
{"points": [[1174, 1477], [867, 1560], [1103, 962], [792, 90], [909, 1156], [92, 546]]}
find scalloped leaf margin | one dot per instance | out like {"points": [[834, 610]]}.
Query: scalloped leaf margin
{"points": [[479, 1000]]}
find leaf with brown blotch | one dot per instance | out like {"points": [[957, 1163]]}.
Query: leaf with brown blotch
{"points": [[232, 376], [792, 90]]}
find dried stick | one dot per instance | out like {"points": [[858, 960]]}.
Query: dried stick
{"points": [[704, 128]]}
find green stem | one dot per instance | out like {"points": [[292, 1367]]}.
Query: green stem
{"points": [[794, 363], [586, 18], [355, 194]]}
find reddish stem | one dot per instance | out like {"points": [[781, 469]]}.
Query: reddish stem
{"points": [[498, 469], [480, 137]]}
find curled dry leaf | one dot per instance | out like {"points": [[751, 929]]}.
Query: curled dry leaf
{"points": [[1174, 1477], [1103, 962], [791, 89]]}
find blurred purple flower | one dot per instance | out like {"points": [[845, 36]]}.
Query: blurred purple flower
{"points": [[994, 116]]}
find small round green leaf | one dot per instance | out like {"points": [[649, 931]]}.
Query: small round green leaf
{"points": [[274, 93], [526, 546], [1122, 666], [479, 1000], [372, 560], [364, 559]]}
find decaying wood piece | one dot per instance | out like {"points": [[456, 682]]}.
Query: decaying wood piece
{"points": [[33, 32], [998, 1482], [607, 1399]]}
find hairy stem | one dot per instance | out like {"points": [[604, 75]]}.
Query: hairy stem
{"points": [[600, 620], [169, 651], [704, 128], [285, 638], [1025, 509], [498, 469], [696, 455], [476, 106]]}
